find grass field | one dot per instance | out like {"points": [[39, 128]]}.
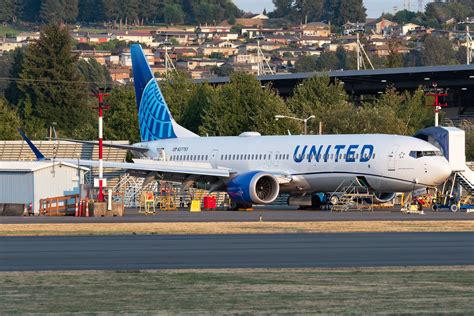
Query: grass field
{"points": [[430, 290], [233, 227]]}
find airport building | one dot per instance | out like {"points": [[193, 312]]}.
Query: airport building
{"points": [[25, 183]]}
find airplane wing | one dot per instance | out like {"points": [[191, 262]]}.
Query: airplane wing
{"points": [[168, 170], [165, 168]]}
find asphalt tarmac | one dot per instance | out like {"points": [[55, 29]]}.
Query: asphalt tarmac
{"points": [[269, 213], [133, 252]]}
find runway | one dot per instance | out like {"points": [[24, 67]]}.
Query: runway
{"points": [[133, 252], [269, 213]]}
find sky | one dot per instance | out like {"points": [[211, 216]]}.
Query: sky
{"points": [[374, 7]]}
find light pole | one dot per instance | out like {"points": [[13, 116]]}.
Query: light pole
{"points": [[78, 156], [305, 121]]}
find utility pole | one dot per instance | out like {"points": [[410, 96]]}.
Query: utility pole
{"points": [[168, 61], [360, 51], [101, 107], [468, 46], [263, 66], [437, 93]]}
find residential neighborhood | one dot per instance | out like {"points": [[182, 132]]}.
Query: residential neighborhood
{"points": [[251, 44]]}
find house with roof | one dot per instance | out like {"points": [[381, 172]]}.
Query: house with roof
{"points": [[126, 58], [120, 74], [182, 37], [226, 48], [281, 39], [9, 44], [313, 29], [252, 32], [319, 41], [141, 36], [264, 45], [194, 63], [381, 27], [352, 28]]}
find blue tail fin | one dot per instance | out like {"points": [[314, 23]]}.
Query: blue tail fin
{"points": [[154, 115], [38, 154]]}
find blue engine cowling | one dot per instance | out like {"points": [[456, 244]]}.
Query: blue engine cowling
{"points": [[256, 187], [384, 197]]}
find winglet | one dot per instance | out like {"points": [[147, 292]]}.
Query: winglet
{"points": [[38, 154]]}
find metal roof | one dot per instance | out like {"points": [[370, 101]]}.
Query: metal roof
{"points": [[459, 79], [31, 166], [353, 73]]}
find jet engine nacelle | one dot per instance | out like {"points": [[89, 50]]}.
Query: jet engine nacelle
{"points": [[255, 187], [383, 197]]}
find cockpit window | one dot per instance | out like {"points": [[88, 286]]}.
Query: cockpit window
{"points": [[427, 153]]}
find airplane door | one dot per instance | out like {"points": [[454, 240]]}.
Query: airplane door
{"points": [[214, 155], [392, 154], [275, 159], [269, 161]]}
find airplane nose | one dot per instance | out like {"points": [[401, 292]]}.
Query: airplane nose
{"points": [[442, 171]]}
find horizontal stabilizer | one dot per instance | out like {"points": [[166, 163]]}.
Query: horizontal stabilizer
{"points": [[36, 151]]}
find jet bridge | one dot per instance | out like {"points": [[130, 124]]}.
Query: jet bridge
{"points": [[452, 143]]}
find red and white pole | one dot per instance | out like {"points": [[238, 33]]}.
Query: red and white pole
{"points": [[101, 165], [101, 108]]}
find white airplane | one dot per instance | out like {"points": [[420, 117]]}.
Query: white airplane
{"points": [[255, 169]]}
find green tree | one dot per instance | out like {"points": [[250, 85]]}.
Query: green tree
{"points": [[10, 121], [12, 93], [437, 51], [31, 10], [282, 8], [326, 101], [6, 64], [177, 89], [306, 64], [201, 99], [243, 105], [148, 10], [328, 61], [91, 10], [96, 74], [51, 11], [404, 16], [408, 108], [307, 10], [394, 58], [173, 14], [339, 12], [121, 120], [223, 71], [7, 10], [51, 87], [59, 10]]}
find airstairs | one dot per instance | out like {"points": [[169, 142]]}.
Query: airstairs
{"points": [[451, 141], [352, 197], [465, 179]]}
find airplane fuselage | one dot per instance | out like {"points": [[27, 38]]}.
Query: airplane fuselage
{"points": [[388, 163]]}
